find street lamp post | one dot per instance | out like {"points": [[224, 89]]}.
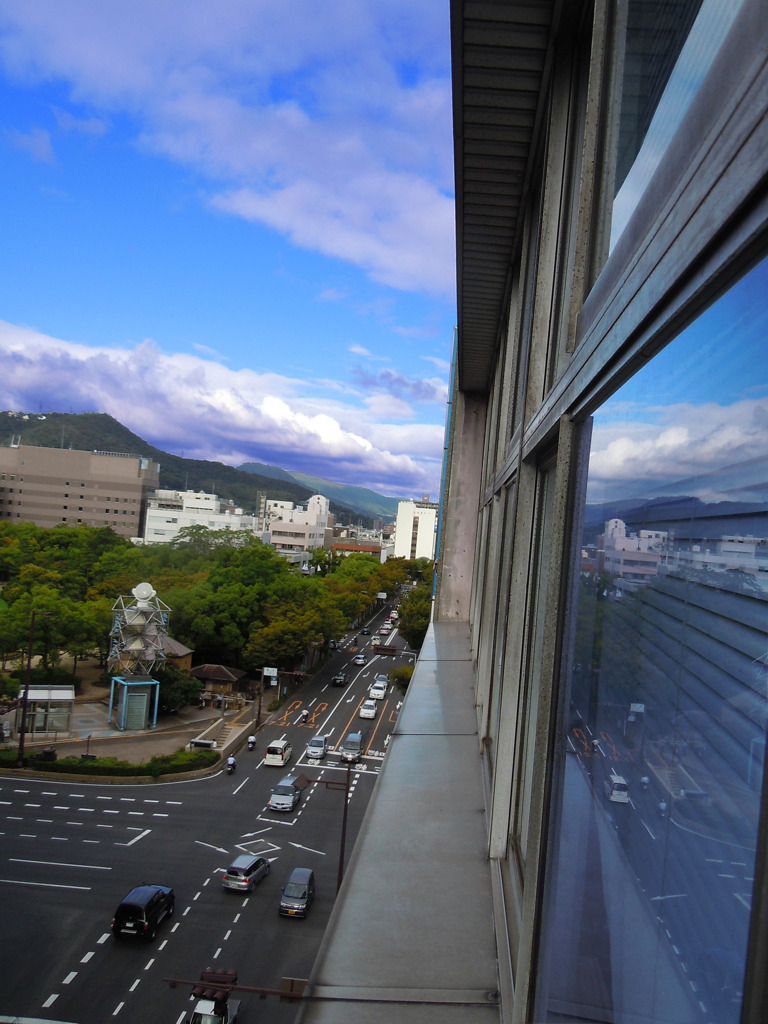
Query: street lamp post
{"points": [[25, 698]]}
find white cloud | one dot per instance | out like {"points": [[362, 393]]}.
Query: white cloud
{"points": [[329, 122], [36, 142], [184, 403], [686, 441]]}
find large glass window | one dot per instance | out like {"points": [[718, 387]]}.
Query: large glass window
{"points": [[668, 47], [650, 875]]}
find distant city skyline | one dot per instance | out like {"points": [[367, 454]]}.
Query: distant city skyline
{"points": [[232, 228]]}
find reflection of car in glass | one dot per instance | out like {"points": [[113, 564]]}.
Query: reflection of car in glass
{"points": [[359, 659], [142, 910], [316, 747], [368, 709], [285, 795], [378, 690], [244, 872]]}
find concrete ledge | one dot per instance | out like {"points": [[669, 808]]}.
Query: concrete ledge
{"points": [[412, 927]]}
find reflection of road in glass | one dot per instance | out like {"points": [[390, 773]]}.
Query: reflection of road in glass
{"points": [[608, 945], [695, 875]]}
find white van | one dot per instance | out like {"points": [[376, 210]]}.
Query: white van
{"points": [[278, 752], [616, 789]]}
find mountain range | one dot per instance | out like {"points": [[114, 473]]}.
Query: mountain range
{"points": [[92, 431]]}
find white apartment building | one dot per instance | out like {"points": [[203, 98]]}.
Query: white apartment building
{"points": [[416, 529], [296, 529], [168, 512]]}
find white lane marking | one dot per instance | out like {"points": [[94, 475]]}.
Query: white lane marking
{"points": [[307, 848], [58, 864], [70, 978], [134, 985], [50, 1000], [46, 885], [210, 846], [117, 1009], [136, 838], [87, 957]]}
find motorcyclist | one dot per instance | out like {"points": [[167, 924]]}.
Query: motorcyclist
{"points": [[251, 741], [304, 715], [231, 763]]}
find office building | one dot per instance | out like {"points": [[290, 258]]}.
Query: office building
{"points": [[54, 486], [416, 528], [570, 823]]}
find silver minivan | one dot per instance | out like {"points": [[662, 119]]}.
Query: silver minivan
{"points": [[352, 747], [244, 872]]}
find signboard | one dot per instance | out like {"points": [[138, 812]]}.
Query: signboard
{"points": [[636, 709], [269, 671]]}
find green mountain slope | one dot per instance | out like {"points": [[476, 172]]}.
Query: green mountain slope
{"points": [[359, 499], [92, 431]]}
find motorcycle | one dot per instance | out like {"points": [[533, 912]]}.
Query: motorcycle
{"points": [[251, 742], [231, 765]]}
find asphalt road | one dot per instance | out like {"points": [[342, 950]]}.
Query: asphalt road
{"points": [[71, 851]]}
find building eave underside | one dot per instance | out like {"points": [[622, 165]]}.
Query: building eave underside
{"points": [[500, 62]]}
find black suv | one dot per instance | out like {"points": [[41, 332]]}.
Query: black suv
{"points": [[340, 679], [142, 910]]}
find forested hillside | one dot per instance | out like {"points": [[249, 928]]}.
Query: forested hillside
{"points": [[92, 431]]}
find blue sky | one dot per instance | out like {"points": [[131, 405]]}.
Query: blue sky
{"points": [[230, 226]]}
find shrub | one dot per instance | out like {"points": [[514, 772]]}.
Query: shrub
{"points": [[167, 764]]}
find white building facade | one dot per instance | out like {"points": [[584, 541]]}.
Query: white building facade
{"points": [[416, 529], [168, 512]]}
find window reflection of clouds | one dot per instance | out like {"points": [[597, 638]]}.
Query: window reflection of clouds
{"points": [[700, 406], [709, 30]]}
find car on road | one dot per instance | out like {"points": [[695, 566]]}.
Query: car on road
{"points": [[378, 689], [365, 631], [285, 795], [142, 910], [351, 749], [375, 640], [368, 709], [317, 747], [359, 659], [298, 893], [244, 872], [385, 629], [340, 679], [278, 753]]}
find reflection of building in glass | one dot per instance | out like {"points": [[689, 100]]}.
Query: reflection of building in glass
{"points": [[631, 556], [629, 367]]}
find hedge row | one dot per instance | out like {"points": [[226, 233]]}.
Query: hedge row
{"points": [[168, 764]]}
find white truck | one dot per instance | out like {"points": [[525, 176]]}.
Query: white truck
{"points": [[213, 1004]]}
